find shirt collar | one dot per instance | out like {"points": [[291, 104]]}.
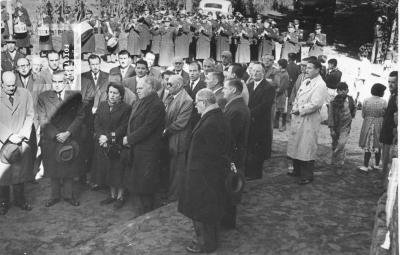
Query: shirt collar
{"points": [[210, 108], [232, 99]]}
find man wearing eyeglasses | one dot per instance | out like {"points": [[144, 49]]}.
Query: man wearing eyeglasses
{"points": [[178, 106], [178, 69], [34, 84]]}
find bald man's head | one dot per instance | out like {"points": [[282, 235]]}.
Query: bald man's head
{"points": [[8, 84]]}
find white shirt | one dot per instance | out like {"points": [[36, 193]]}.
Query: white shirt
{"points": [[95, 78], [25, 81], [194, 83], [12, 54], [256, 83], [123, 71], [140, 79]]}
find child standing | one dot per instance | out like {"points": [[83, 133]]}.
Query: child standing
{"points": [[342, 110]]}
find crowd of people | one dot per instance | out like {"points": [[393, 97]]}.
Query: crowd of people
{"points": [[187, 117]]}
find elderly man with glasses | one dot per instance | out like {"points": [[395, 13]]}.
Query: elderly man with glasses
{"points": [[179, 107]]}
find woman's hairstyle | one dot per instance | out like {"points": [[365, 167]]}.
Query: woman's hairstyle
{"points": [[378, 89], [119, 87]]}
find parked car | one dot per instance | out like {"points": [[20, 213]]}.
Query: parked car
{"points": [[214, 6]]}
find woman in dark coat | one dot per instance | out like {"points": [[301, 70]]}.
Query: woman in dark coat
{"points": [[110, 125], [144, 137]]}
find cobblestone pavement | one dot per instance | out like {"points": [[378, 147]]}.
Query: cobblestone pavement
{"points": [[334, 215]]}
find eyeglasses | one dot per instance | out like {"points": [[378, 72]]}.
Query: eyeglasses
{"points": [[169, 84], [23, 66], [178, 63]]}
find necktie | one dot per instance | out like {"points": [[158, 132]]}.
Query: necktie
{"points": [[191, 85], [59, 96], [95, 78], [168, 101], [308, 82], [11, 98]]}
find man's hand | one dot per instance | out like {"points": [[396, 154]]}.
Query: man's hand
{"points": [[16, 139], [102, 140], [63, 136]]}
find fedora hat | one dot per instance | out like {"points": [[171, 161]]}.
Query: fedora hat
{"points": [[10, 153], [67, 151]]}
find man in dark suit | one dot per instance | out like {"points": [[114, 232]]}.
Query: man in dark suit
{"points": [[194, 86], [125, 68], [34, 84], [16, 121], [238, 115], [93, 86], [333, 74], [293, 70], [60, 117], [10, 57], [144, 137], [53, 59], [141, 70], [203, 195], [179, 108], [388, 136], [178, 65], [262, 96], [215, 82]]}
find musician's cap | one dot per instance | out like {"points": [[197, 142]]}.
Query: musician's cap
{"points": [[290, 25], [10, 39], [259, 17], [318, 26], [226, 53]]}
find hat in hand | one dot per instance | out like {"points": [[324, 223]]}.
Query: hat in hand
{"points": [[10, 153], [66, 152]]}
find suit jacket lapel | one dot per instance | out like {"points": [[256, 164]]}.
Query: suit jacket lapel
{"points": [[6, 101]]}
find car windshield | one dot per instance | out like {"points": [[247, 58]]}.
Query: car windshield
{"points": [[212, 5]]}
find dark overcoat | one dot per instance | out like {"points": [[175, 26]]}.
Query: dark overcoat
{"points": [[57, 116], [24, 40], [203, 195], [260, 132], [389, 123], [8, 63], [105, 170], [144, 133]]}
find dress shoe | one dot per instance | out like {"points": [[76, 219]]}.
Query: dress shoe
{"points": [[304, 181], [120, 202], [25, 206], [71, 201], [107, 201], [52, 202], [4, 208], [194, 248]]}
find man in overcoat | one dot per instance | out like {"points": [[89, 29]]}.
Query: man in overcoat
{"points": [[317, 41], [281, 79], [144, 137], [262, 95], [10, 57], [238, 115], [203, 195], [125, 68], [303, 135], [60, 117], [179, 106], [289, 40], [53, 59], [195, 85], [16, 128]]}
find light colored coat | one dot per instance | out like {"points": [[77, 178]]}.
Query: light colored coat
{"points": [[17, 119], [303, 135], [177, 118]]}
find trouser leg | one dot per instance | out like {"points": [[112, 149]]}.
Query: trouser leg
{"points": [[19, 196], [176, 171], [284, 120], [377, 157], [229, 219], [209, 236], [296, 167], [68, 187], [385, 163], [5, 194], [277, 116], [307, 169], [55, 186], [367, 157]]}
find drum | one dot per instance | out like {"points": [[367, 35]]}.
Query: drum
{"points": [[44, 30], [112, 42], [20, 28]]}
